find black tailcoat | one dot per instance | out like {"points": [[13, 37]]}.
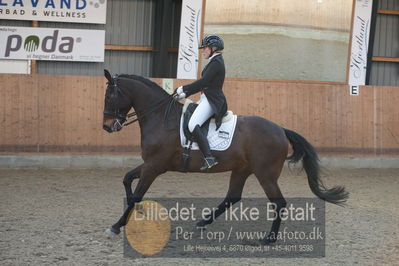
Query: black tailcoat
{"points": [[211, 83]]}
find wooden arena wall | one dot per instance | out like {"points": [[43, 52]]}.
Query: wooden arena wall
{"points": [[63, 114]]}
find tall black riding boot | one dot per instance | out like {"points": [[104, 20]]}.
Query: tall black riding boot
{"points": [[203, 144]]}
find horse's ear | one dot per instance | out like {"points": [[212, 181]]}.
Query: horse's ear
{"points": [[108, 76]]}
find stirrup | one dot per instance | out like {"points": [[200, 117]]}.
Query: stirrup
{"points": [[208, 163]]}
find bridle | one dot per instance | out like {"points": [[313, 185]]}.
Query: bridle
{"points": [[121, 118]]}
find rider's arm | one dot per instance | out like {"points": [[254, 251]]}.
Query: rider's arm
{"points": [[213, 69]]}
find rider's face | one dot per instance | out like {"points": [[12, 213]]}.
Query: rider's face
{"points": [[206, 52]]}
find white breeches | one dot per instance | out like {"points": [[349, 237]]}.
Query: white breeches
{"points": [[201, 114]]}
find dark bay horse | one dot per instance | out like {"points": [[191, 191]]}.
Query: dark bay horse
{"points": [[259, 147]]}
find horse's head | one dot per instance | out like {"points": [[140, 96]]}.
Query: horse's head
{"points": [[116, 105]]}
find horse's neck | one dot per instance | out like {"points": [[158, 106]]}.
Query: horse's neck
{"points": [[145, 101]]}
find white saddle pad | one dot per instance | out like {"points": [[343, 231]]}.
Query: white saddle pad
{"points": [[219, 140]]}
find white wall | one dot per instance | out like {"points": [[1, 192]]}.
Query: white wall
{"points": [[15, 66]]}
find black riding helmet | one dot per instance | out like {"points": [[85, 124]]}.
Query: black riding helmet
{"points": [[212, 41]]}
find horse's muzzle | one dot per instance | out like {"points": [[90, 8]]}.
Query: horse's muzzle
{"points": [[107, 128], [116, 125]]}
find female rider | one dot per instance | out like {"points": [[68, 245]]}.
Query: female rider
{"points": [[212, 100]]}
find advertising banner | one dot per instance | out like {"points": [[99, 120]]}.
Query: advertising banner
{"points": [[52, 44], [190, 29], [360, 41], [79, 11]]}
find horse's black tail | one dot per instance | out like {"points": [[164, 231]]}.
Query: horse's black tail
{"points": [[304, 150]]}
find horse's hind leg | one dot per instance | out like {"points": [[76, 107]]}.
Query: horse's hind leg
{"points": [[128, 179], [272, 190], [237, 181]]}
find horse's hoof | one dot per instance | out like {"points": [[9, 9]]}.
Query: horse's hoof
{"points": [[111, 232]]}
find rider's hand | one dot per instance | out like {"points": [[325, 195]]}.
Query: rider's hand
{"points": [[179, 90], [181, 96], [180, 93]]}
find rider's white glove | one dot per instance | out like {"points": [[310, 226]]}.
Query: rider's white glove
{"points": [[180, 93], [181, 96]]}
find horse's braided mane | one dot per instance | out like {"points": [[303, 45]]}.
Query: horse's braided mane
{"points": [[144, 80]]}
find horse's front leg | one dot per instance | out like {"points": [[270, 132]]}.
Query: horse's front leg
{"points": [[147, 177], [127, 182]]}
